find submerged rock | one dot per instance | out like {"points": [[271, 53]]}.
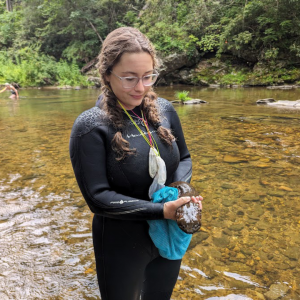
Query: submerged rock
{"points": [[229, 185], [236, 227], [277, 291], [228, 202], [198, 238], [292, 253], [221, 242], [234, 159]]}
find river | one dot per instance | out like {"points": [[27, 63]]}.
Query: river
{"points": [[246, 165]]}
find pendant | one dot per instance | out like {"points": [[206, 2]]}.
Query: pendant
{"points": [[152, 162], [161, 170], [157, 171]]}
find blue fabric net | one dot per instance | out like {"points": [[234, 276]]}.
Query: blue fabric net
{"points": [[170, 240]]}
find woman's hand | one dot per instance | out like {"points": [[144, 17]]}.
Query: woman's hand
{"points": [[171, 206]]}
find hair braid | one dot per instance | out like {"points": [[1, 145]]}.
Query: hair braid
{"points": [[115, 115], [150, 109]]}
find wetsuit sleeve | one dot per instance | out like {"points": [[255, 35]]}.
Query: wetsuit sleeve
{"points": [[88, 156], [184, 170]]}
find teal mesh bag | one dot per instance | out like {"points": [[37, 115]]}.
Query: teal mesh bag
{"points": [[170, 240]]}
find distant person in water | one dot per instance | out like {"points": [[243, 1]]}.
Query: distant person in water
{"points": [[12, 89]]}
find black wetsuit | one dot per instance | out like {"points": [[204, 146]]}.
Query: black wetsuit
{"points": [[127, 261]]}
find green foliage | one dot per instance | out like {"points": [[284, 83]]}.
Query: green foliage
{"points": [[165, 39], [256, 31], [294, 48], [246, 29], [176, 26], [9, 24], [69, 74], [271, 54], [182, 96], [210, 40], [29, 67], [245, 76], [233, 78], [130, 18], [243, 38], [274, 77], [65, 29]]}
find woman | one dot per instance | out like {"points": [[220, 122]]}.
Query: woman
{"points": [[12, 89], [109, 149]]}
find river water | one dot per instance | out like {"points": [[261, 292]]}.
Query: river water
{"points": [[246, 165]]}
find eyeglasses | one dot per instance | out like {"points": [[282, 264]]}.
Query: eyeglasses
{"points": [[131, 82]]}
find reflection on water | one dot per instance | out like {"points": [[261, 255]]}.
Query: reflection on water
{"points": [[246, 165]]}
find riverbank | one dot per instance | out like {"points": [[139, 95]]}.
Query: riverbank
{"points": [[227, 71]]}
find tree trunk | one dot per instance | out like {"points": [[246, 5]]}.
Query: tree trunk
{"points": [[100, 38], [9, 5], [89, 65]]}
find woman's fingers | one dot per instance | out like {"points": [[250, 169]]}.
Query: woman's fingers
{"points": [[181, 201], [171, 207], [198, 199], [200, 204]]}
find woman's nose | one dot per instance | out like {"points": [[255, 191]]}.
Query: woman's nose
{"points": [[139, 86]]}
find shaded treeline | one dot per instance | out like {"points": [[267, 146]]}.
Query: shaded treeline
{"points": [[42, 32]]}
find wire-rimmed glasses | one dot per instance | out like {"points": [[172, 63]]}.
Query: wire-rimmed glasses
{"points": [[130, 82]]}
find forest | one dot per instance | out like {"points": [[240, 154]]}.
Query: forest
{"points": [[53, 42]]}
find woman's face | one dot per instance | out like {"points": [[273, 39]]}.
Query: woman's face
{"points": [[131, 65]]}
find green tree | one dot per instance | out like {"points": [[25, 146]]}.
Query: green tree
{"points": [[257, 31], [261, 30], [176, 25], [69, 29]]}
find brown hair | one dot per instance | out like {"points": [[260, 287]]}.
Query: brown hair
{"points": [[120, 41]]}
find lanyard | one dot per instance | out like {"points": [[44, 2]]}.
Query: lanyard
{"points": [[151, 138]]}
